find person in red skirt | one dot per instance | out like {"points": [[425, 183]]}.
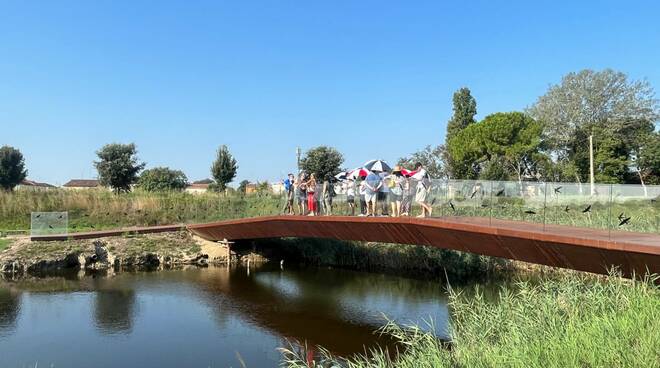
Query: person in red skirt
{"points": [[311, 199]]}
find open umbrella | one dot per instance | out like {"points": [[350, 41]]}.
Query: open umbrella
{"points": [[342, 175], [377, 166], [407, 173], [359, 172]]}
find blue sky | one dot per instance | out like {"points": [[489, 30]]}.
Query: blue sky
{"points": [[371, 78]]}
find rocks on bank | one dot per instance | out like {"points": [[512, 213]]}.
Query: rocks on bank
{"points": [[152, 250]]}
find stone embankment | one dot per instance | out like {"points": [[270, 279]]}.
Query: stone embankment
{"points": [[164, 250]]}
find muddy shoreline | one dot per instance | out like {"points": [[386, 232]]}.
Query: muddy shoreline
{"points": [[152, 251]]}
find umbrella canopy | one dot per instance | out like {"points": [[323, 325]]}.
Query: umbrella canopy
{"points": [[342, 175], [377, 166], [359, 172], [407, 173]]}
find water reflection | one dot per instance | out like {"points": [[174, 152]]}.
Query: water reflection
{"points": [[215, 312], [113, 310], [10, 305]]}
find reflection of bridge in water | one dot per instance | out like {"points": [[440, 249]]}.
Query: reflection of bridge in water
{"points": [[582, 249]]}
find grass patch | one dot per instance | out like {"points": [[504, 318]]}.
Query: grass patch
{"points": [[4, 244], [570, 321]]}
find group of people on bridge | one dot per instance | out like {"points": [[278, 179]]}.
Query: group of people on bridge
{"points": [[382, 192]]}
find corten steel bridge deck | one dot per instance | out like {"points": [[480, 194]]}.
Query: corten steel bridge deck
{"points": [[580, 249]]}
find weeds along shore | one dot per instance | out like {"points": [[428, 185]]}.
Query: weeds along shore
{"points": [[567, 320]]}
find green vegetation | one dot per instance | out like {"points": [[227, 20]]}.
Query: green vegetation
{"points": [[12, 168], [410, 260], [574, 320], [118, 166], [322, 161], [550, 142], [162, 179], [504, 146], [223, 169], [4, 244], [100, 209]]}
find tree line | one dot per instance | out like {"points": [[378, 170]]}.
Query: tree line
{"points": [[120, 168], [548, 141]]}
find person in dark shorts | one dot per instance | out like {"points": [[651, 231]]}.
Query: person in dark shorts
{"points": [[288, 195], [349, 187]]}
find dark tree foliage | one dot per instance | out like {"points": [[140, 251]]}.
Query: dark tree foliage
{"points": [[620, 114], [162, 179], [323, 161], [242, 186], [465, 108], [12, 168], [118, 166], [432, 159], [223, 168]]}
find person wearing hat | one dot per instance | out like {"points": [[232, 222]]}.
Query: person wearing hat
{"points": [[395, 183]]}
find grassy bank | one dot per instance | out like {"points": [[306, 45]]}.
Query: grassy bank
{"points": [[409, 260], [99, 209], [568, 321], [4, 244]]}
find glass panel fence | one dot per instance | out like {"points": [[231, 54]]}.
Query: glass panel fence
{"points": [[634, 208], [615, 209]]}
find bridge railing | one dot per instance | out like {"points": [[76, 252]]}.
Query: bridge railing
{"points": [[614, 208]]}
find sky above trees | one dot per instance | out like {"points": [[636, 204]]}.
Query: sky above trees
{"points": [[373, 79]]}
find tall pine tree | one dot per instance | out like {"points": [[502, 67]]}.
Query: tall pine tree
{"points": [[465, 108]]}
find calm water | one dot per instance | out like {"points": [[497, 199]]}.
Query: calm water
{"points": [[203, 317]]}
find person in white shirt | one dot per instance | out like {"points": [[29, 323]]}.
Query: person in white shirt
{"points": [[373, 184], [395, 183], [363, 201], [423, 186]]}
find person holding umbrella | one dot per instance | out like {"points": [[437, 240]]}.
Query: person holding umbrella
{"points": [[372, 184]]}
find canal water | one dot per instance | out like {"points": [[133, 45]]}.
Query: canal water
{"points": [[204, 317]]}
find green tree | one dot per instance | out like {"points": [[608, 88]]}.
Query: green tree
{"points": [[646, 160], [242, 186], [162, 179], [503, 146], [430, 157], [323, 161], [605, 104], [12, 168], [118, 166], [465, 108], [224, 168]]}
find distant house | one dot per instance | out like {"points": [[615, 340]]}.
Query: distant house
{"points": [[33, 185], [80, 184], [197, 187], [277, 188], [251, 188]]}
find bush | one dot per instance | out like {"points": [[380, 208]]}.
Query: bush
{"points": [[162, 179]]}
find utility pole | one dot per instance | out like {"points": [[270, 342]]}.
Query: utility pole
{"points": [[591, 163], [298, 158]]}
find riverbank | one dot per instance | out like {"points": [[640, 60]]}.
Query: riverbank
{"points": [[569, 320], [23, 256]]}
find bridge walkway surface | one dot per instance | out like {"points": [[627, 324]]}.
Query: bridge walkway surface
{"points": [[583, 249]]}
